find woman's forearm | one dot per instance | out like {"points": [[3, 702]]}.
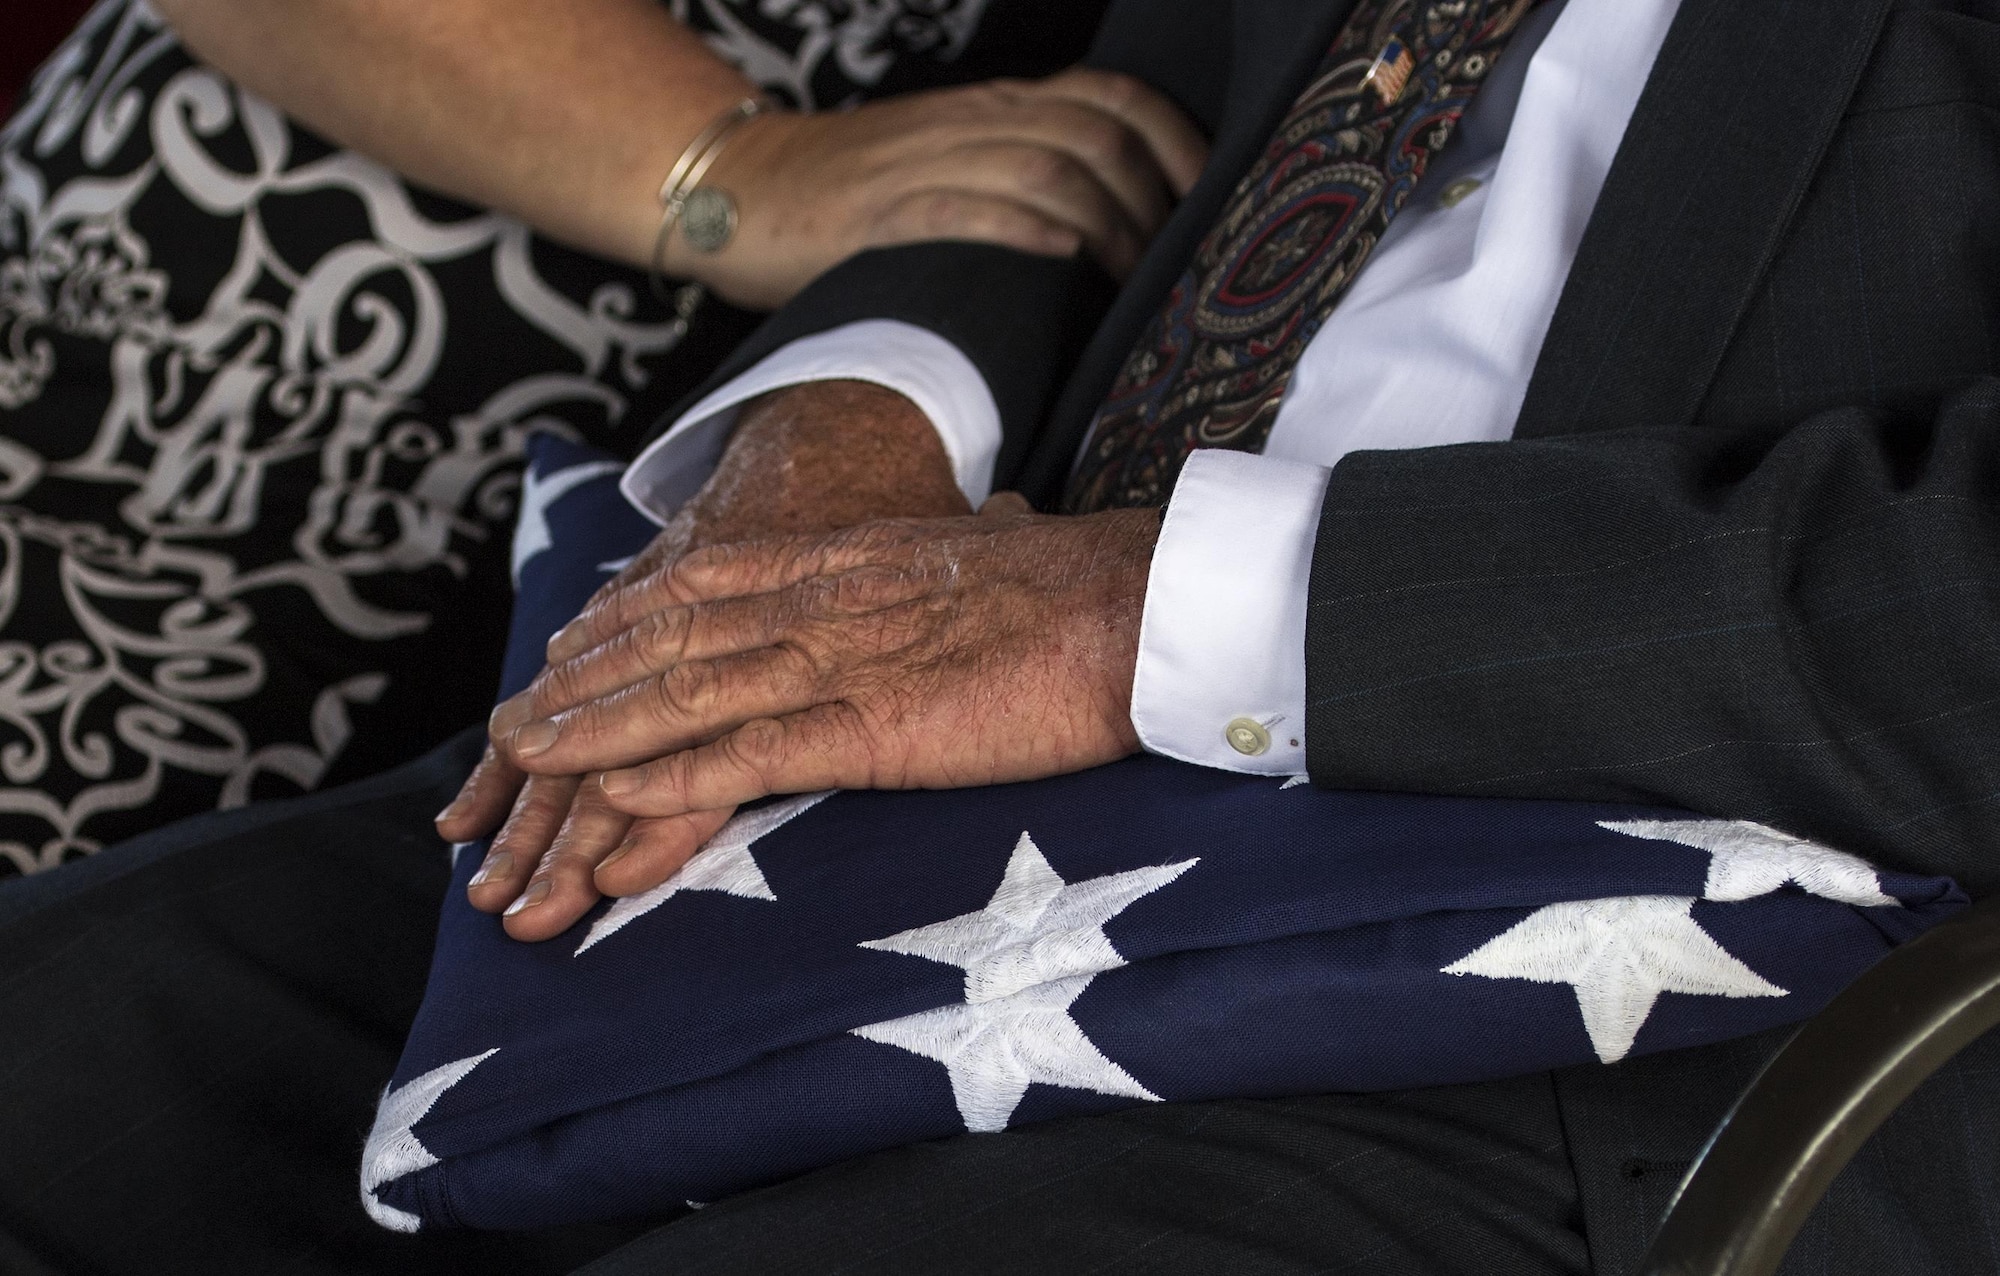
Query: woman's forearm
{"points": [[565, 113]]}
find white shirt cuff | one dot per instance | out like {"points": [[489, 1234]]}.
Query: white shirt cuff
{"points": [[1223, 640], [915, 362]]}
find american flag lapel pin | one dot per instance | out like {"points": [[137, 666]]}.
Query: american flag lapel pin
{"points": [[1390, 71]]}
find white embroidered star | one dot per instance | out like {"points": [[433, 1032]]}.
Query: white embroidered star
{"points": [[392, 1150], [992, 1050], [1027, 956], [1035, 929], [1748, 860], [531, 527], [1620, 955], [724, 864]]}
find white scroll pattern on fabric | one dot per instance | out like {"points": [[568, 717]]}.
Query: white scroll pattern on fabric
{"points": [[286, 361], [861, 36], [336, 351]]}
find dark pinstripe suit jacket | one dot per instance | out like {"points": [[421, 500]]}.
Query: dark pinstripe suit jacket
{"points": [[1743, 554]]}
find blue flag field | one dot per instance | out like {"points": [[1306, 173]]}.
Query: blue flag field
{"points": [[839, 973]]}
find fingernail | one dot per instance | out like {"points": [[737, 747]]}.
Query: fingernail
{"points": [[496, 867], [451, 812], [619, 783], [561, 640], [536, 737], [624, 849], [535, 894], [507, 715]]}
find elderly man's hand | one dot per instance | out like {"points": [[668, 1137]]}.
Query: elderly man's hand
{"points": [[911, 654], [814, 457]]}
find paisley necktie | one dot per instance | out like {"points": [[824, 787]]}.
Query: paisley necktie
{"points": [[1213, 364]]}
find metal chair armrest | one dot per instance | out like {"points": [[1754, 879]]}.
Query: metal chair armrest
{"points": [[1821, 1096]]}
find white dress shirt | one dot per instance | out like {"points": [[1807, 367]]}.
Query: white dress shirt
{"points": [[1434, 343]]}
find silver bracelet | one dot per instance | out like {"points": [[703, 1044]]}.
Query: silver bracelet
{"points": [[707, 216]]}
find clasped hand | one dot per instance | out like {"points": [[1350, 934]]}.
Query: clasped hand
{"points": [[1082, 160], [922, 653]]}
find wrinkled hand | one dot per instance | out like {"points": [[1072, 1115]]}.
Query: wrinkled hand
{"points": [[910, 654], [554, 830], [1084, 160], [819, 456]]}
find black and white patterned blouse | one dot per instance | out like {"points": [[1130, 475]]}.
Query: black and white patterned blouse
{"points": [[262, 407]]}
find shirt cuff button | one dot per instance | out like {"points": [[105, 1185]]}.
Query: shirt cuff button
{"points": [[1247, 737]]}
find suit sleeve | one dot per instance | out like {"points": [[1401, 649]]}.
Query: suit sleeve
{"points": [[1803, 632], [1021, 320]]}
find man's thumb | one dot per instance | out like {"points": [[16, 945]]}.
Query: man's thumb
{"points": [[1005, 504]]}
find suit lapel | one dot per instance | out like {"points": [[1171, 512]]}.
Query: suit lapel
{"points": [[1727, 135]]}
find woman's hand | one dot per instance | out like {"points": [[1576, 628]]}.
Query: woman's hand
{"points": [[1085, 160]]}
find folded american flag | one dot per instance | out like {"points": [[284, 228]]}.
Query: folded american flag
{"points": [[835, 974]]}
